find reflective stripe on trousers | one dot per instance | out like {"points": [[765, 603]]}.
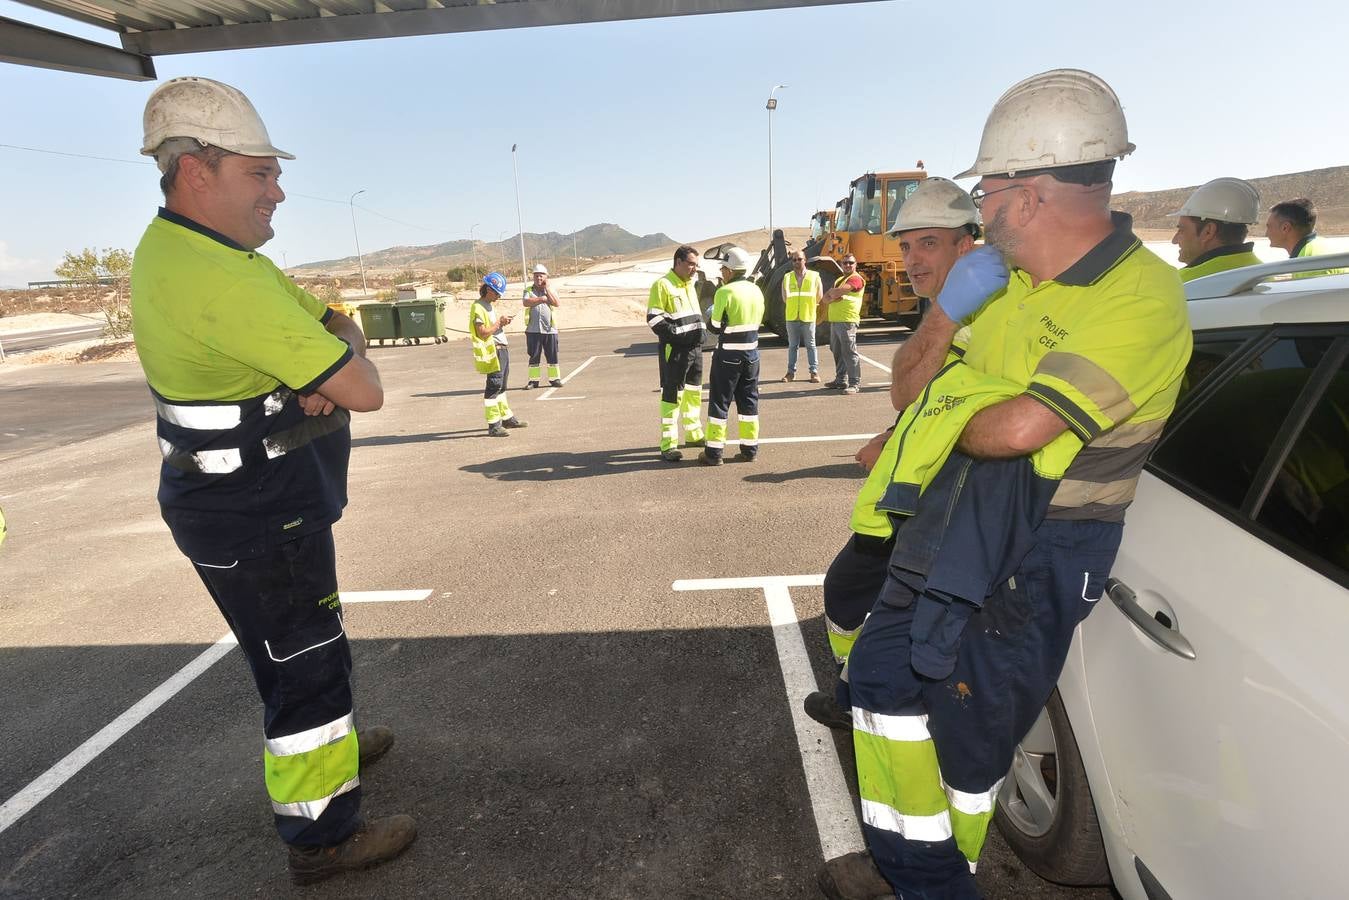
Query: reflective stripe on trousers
{"points": [[284, 609], [1010, 657], [735, 375]]}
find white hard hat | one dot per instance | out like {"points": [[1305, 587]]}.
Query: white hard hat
{"points": [[540, 269], [1063, 117], [209, 111], [1225, 200], [737, 260], [936, 203]]}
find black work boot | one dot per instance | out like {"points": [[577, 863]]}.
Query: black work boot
{"points": [[708, 459], [671, 455], [556, 382], [853, 876], [823, 708], [496, 429], [377, 841], [746, 455], [373, 742], [513, 422]]}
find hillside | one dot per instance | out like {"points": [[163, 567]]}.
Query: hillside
{"points": [[592, 242], [1327, 188]]}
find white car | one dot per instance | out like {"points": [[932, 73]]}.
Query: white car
{"points": [[1197, 742]]}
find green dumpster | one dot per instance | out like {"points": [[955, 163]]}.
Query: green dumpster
{"points": [[419, 319], [379, 321]]}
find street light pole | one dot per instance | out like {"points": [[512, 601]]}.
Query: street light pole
{"points": [[772, 105], [576, 257], [360, 260], [519, 219], [475, 248]]}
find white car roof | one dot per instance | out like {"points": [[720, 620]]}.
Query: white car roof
{"points": [[1265, 295]]}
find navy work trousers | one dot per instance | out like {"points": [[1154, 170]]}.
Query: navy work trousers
{"points": [[1009, 660], [283, 607], [541, 345], [498, 381], [679, 366]]}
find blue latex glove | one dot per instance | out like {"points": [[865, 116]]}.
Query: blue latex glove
{"points": [[974, 278]]}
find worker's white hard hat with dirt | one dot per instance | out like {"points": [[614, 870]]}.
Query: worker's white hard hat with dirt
{"points": [[1063, 117], [209, 112], [1223, 200], [936, 203], [736, 259]]}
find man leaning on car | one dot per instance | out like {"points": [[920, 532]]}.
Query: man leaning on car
{"points": [[1091, 328]]}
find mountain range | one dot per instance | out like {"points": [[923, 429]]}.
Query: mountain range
{"points": [[1327, 188], [593, 241]]}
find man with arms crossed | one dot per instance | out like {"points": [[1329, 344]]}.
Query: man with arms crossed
{"points": [[252, 380], [1093, 327]]}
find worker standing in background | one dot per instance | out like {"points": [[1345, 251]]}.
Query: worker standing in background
{"points": [[672, 312], [1211, 228], [252, 379], [843, 304], [1291, 226], [1092, 327], [737, 312], [490, 354], [801, 295], [937, 225], [541, 329]]}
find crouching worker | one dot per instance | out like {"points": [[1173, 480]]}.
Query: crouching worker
{"points": [[490, 356]]}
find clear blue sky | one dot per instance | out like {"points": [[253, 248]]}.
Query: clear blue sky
{"points": [[660, 125]]}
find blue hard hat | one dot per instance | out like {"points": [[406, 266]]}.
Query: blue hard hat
{"points": [[496, 281]]}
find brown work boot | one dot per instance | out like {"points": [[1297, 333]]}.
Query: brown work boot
{"points": [[790, 376], [373, 742], [814, 378], [854, 876], [377, 841]]}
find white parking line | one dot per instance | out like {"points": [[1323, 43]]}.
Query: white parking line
{"points": [[865, 358], [809, 439], [384, 596], [830, 799], [44, 785], [548, 394]]}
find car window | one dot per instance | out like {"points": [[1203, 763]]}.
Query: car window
{"points": [[1208, 355], [1250, 447], [1308, 502], [1217, 448]]}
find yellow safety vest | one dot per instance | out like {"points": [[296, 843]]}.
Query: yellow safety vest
{"points": [[484, 349], [801, 296], [1231, 258], [1312, 245], [847, 308]]}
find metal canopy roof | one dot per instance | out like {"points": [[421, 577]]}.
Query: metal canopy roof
{"points": [[150, 28]]}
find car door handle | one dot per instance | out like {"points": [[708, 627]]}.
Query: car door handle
{"points": [[1167, 638]]}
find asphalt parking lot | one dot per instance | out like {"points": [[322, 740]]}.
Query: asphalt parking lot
{"points": [[593, 659]]}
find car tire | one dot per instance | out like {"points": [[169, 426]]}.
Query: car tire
{"points": [[1045, 810]]}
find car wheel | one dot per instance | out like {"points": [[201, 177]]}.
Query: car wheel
{"points": [[1045, 811]]}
